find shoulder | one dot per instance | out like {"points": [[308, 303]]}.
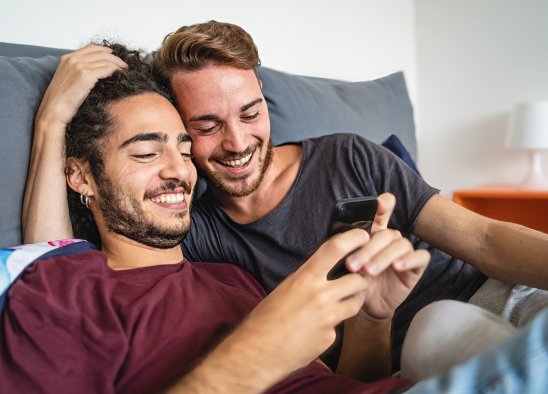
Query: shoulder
{"points": [[55, 277], [340, 143]]}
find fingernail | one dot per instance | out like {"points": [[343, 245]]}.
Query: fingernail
{"points": [[400, 264], [372, 268], [353, 262]]}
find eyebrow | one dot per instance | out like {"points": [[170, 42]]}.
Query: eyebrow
{"points": [[251, 104], [183, 137], [216, 117], [160, 137]]}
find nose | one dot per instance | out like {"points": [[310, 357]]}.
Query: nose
{"points": [[176, 167], [235, 138]]}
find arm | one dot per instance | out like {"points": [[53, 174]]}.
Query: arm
{"points": [[45, 213], [501, 250], [393, 269], [287, 330], [296, 322]]}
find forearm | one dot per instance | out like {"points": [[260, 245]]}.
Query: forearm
{"points": [[516, 254], [45, 215], [501, 250], [366, 349]]}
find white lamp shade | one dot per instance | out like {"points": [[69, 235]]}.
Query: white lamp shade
{"points": [[528, 126]]}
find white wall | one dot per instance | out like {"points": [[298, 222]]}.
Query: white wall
{"points": [[346, 39], [475, 60]]}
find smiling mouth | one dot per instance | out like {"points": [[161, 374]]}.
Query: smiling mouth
{"points": [[170, 198], [236, 164]]}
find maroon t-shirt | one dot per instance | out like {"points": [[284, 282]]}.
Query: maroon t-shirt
{"points": [[73, 325]]}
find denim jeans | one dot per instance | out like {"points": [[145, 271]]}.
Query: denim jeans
{"points": [[518, 365]]}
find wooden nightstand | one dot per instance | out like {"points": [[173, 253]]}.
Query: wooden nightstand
{"points": [[507, 203]]}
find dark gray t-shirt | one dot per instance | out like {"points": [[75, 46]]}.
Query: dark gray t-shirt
{"points": [[333, 167]]}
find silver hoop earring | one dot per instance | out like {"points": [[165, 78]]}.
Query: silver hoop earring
{"points": [[85, 199]]}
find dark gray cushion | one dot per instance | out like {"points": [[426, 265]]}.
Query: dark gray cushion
{"points": [[23, 82], [19, 50], [304, 107]]}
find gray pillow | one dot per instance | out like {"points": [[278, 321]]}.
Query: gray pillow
{"points": [[23, 82], [304, 107], [20, 50]]}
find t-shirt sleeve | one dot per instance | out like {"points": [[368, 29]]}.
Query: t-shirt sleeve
{"points": [[203, 243], [383, 171], [50, 346]]}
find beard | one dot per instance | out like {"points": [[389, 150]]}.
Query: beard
{"points": [[225, 183], [124, 215]]}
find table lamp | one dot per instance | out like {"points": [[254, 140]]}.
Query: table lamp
{"points": [[528, 129]]}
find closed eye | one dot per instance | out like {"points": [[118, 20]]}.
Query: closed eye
{"points": [[206, 130], [251, 117], [147, 156]]}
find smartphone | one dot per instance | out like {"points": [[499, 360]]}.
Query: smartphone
{"points": [[348, 214]]}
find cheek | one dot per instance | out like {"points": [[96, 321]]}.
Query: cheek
{"points": [[262, 128], [134, 178], [192, 173], [203, 147]]}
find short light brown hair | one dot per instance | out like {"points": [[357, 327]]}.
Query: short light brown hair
{"points": [[192, 48]]}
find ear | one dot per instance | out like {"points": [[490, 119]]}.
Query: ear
{"points": [[79, 177], [261, 84]]}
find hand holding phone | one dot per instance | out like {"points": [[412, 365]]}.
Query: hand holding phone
{"points": [[348, 214]]}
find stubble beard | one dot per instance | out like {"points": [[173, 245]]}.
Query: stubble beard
{"points": [[124, 215], [221, 183]]}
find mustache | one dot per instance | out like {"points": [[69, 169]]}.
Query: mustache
{"points": [[235, 156], [169, 186]]}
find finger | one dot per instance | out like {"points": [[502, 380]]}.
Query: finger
{"points": [[365, 255], [82, 52], [334, 249], [85, 75], [98, 56], [348, 285], [349, 307], [89, 59], [416, 260], [76, 59], [93, 48], [386, 257], [411, 276], [385, 208]]}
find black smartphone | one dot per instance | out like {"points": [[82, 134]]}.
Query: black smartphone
{"points": [[348, 214]]}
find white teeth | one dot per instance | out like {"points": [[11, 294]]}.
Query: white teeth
{"points": [[233, 163], [170, 198]]}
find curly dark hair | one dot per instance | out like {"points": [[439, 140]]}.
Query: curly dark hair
{"points": [[94, 123]]}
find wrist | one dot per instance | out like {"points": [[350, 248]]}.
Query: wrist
{"points": [[364, 318]]}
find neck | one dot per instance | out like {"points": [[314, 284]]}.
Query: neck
{"points": [[124, 253], [277, 181]]}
